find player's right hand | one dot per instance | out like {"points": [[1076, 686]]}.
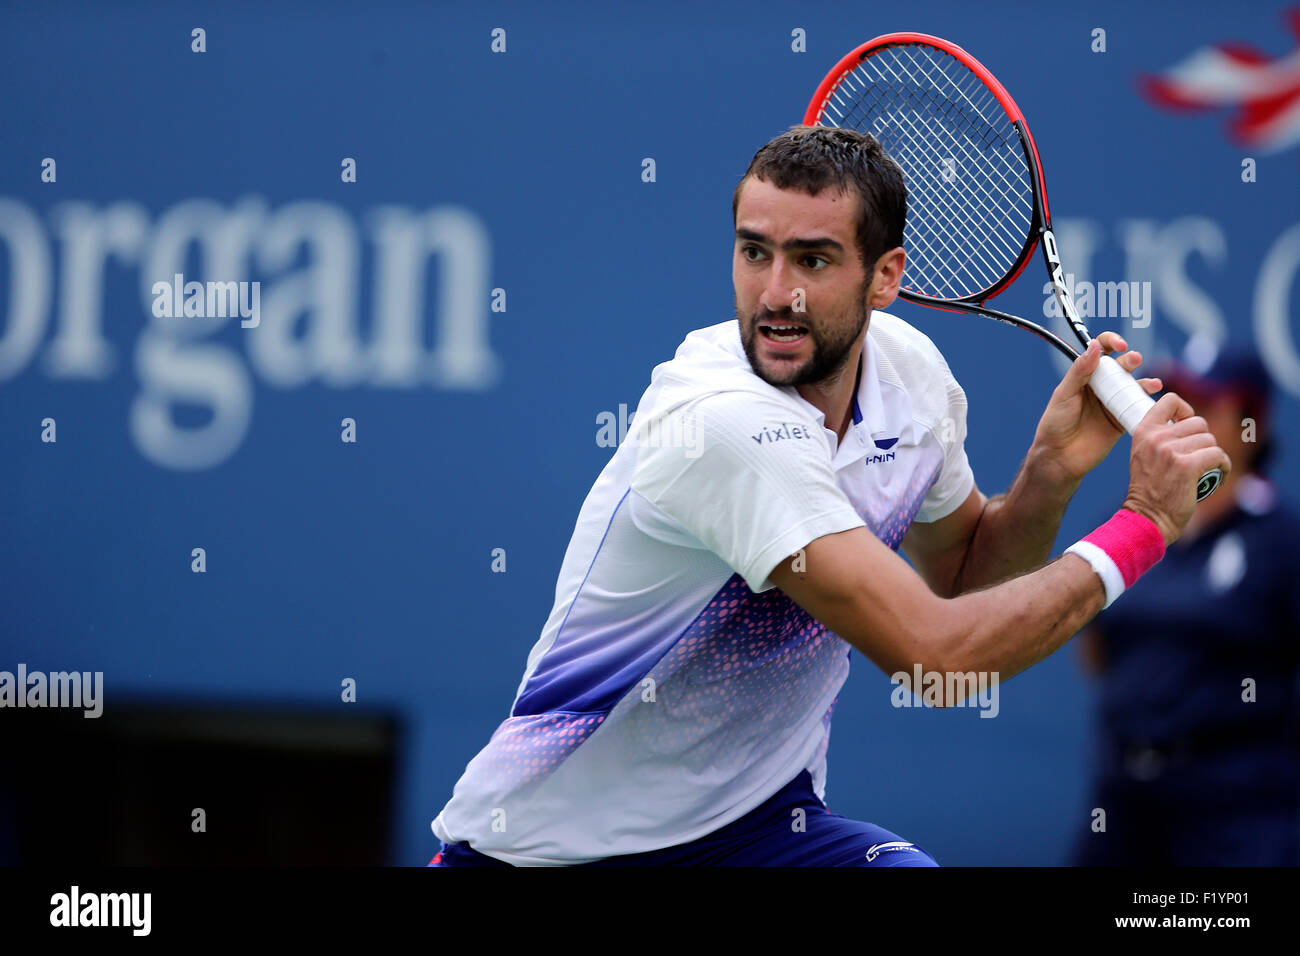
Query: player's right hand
{"points": [[1172, 449]]}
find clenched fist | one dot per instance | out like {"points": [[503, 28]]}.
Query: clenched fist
{"points": [[1172, 449]]}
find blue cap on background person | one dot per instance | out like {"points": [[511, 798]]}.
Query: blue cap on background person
{"points": [[1209, 370]]}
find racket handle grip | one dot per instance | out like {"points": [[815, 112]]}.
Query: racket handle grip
{"points": [[1128, 401]]}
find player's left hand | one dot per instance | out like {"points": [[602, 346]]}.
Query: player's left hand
{"points": [[1076, 432]]}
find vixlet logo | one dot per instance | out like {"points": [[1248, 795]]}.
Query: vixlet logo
{"points": [[884, 445], [779, 431]]}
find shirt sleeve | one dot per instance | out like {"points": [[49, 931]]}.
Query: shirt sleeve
{"points": [[956, 479], [749, 477]]}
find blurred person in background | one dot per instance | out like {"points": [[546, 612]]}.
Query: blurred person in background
{"points": [[1197, 762]]}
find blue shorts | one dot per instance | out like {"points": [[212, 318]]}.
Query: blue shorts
{"points": [[775, 833]]}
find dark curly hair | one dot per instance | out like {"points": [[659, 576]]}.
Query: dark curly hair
{"points": [[812, 158]]}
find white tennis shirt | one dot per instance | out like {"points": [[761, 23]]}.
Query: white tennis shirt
{"points": [[674, 688]]}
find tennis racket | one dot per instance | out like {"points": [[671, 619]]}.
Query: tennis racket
{"points": [[977, 202]]}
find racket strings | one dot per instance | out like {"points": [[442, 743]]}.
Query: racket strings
{"points": [[1006, 188], [949, 112], [994, 191], [970, 200], [947, 218], [935, 121]]}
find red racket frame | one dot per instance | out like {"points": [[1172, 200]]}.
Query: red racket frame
{"points": [[1041, 216]]}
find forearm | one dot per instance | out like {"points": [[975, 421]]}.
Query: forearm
{"points": [[866, 594], [1016, 530], [1012, 626]]}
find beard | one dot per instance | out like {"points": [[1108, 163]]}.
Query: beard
{"points": [[830, 347]]}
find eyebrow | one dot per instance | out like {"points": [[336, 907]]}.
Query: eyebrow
{"points": [[819, 242]]}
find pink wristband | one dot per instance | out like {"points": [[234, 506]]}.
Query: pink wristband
{"points": [[1121, 551]]}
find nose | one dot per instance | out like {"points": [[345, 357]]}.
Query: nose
{"points": [[778, 291]]}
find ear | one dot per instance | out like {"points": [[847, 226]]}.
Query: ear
{"points": [[885, 279]]}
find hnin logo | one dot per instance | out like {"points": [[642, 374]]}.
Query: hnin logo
{"points": [[1266, 91], [884, 444]]}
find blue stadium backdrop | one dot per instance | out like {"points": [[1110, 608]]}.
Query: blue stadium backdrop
{"points": [[487, 296]]}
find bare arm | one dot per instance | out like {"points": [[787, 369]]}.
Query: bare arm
{"points": [[987, 540], [865, 593]]}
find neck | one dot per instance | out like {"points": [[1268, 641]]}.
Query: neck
{"points": [[833, 396]]}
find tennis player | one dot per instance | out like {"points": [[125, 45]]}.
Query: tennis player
{"points": [[676, 709]]}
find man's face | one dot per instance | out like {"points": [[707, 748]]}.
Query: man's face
{"points": [[788, 241]]}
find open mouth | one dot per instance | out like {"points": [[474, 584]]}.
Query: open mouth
{"points": [[783, 332]]}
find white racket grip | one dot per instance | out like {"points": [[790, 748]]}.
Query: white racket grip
{"points": [[1129, 403], [1120, 393]]}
